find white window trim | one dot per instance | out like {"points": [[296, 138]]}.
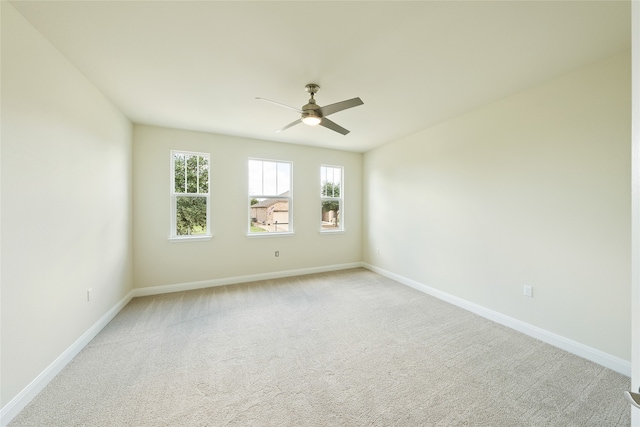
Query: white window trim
{"points": [[173, 236], [340, 199], [290, 232]]}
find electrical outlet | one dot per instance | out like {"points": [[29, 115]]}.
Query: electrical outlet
{"points": [[528, 291], [89, 294], [378, 251], [277, 253]]}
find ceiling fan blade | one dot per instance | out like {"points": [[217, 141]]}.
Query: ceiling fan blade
{"points": [[289, 125], [333, 126], [339, 106], [280, 104]]}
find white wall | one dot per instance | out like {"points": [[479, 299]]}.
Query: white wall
{"points": [[66, 204], [230, 253], [531, 190], [635, 212]]}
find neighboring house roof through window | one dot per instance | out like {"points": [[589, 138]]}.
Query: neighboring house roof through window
{"points": [[269, 202]]}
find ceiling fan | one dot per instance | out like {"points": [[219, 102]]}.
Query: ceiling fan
{"points": [[312, 114]]}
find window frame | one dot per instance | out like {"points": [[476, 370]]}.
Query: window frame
{"points": [[173, 233], [289, 198], [339, 199]]}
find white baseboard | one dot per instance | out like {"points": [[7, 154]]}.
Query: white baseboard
{"points": [[22, 399], [604, 359], [11, 409], [180, 287]]}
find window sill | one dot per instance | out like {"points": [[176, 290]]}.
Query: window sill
{"points": [[182, 239], [270, 234], [331, 231]]}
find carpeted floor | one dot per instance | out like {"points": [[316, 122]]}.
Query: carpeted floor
{"points": [[346, 348]]}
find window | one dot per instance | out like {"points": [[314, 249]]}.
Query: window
{"points": [[331, 195], [189, 195], [269, 197]]}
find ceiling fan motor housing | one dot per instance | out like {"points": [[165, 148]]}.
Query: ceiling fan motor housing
{"points": [[311, 110]]}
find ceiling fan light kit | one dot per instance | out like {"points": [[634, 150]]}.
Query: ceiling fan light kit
{"points": [[311, 120], [312, 114]]}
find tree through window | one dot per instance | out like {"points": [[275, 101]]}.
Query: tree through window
{"points": [[190, 194]]}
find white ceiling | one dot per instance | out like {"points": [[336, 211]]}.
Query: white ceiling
{"points": [[199, 65]]}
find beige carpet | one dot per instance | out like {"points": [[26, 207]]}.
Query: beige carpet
{"points": [[347, 348]]}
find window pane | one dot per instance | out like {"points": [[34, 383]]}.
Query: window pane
{"points": [[255, 177], [331, 181], [269, 178], [203, 173], [179, 170], [270, 215], [283, 178], [330, 214], [330, 189], [192, 174], [191, 215]]}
